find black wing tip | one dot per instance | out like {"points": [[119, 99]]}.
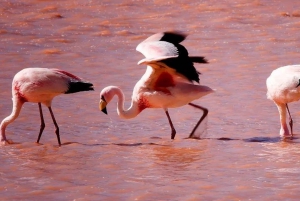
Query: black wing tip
{"points": [[79, 86], [199, 60], [173, 36], [87, 86], [197, 80]]}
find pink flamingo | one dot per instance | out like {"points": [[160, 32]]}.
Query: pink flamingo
{"points": [[283, 88], [41, 85], [167, 82]]}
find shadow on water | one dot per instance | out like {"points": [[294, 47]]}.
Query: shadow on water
{"points": [[256, 139], [263, 139], [137, 144], [118, 144], [253, 139]]}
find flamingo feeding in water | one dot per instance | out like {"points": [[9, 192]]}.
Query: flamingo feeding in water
{"points": [[167, 82], [283, 88], [41, 85]]}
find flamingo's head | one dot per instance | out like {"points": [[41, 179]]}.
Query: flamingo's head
{"points": [[106, 96]]}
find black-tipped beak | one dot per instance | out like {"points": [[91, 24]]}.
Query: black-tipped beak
{"points": [[102, 105], [104, 110]]}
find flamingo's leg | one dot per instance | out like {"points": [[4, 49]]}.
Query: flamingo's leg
{"points": [[173, 133], [205, 112], [56, 126], [42, 123], [291, 120]]}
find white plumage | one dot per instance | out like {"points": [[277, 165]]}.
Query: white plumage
{"points": [[283, 88]]}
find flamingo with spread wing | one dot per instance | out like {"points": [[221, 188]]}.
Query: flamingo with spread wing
{"points": [[167, 82]]}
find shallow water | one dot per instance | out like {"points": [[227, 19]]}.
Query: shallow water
{"points": [[241, 157]]}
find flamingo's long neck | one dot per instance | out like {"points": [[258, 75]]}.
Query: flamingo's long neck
{"points": [[17, 105], [131, 112], [284, 131]]}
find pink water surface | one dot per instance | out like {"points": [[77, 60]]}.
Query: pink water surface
{"points": [[106, 158]]}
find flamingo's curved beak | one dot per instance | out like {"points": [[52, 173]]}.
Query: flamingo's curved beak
{"points": [[102, 105]]}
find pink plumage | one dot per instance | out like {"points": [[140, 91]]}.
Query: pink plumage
{"points": [[167, 82], [41, 85]]}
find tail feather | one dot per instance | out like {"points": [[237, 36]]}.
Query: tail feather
{"points": [[79, 86]]}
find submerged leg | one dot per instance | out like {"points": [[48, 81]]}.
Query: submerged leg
{"points": [[56, 126], [284, 130], [42, 123], [171, 125], [291, 120], [205, 112]]}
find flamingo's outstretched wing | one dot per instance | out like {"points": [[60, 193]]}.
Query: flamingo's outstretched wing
{"points": [[163, 49]]}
